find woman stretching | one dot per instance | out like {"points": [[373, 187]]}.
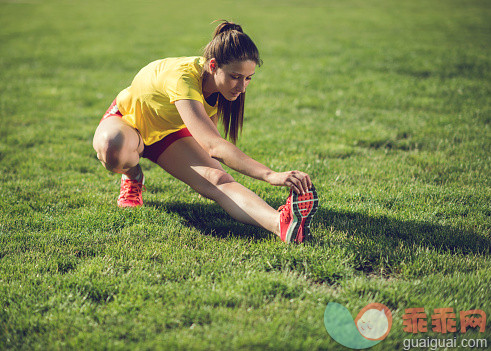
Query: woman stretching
{"points": [[169, 115]]}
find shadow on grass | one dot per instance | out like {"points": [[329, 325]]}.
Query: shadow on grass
{"points": [[210, 219], [410, 233]]}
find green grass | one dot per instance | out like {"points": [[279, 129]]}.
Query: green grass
{"points": [[386, 104]]}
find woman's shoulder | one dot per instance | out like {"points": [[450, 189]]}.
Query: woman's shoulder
{"points": [[190, 66], [185, 64], [180, 75]]}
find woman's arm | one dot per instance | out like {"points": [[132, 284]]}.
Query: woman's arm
{"points": [[214, 118], [206, 134]]}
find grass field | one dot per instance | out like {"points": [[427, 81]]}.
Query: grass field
{"points": [[386, 104]]}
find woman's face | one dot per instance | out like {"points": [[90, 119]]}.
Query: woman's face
{"points": [[232, 79]]}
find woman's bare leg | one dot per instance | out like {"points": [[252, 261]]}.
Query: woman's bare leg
{"points": [[119, 146], [186, 160]]}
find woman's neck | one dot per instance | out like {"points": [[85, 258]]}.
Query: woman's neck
{"points": [[208, 85]]}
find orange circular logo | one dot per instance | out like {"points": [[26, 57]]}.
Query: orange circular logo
{"points": [[374, 321]]}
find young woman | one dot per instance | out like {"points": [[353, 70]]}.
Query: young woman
{"points": [[169, 115]]}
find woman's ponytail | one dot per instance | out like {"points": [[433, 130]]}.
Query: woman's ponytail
{"points": [[230, 44], [226, 26]]}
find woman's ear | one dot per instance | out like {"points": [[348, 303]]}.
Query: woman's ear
{"points": [[213, 65]]}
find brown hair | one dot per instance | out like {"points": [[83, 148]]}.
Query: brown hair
{"points": [[230, 44]]}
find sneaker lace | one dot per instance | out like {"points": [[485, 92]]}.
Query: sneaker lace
{"points": [[132, 190]]}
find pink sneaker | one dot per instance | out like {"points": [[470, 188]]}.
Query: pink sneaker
{"points": [[296, 215], [131, 193]]}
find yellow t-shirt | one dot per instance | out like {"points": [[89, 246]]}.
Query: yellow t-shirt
{"points": [[148, 104]]}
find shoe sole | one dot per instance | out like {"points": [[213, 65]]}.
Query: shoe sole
{"points": [[127, 205], [303, 208]]}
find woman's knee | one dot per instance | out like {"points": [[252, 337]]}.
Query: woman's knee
{"points": [[213, 180], [217, 177], [110, 148]]}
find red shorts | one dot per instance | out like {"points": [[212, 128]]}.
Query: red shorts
{"points": [[152, 152]]}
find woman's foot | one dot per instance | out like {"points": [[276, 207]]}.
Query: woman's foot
{"points": [[296, 216], [131, 192]]}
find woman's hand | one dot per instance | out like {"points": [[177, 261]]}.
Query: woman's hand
{"points": [[299, 181]]}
